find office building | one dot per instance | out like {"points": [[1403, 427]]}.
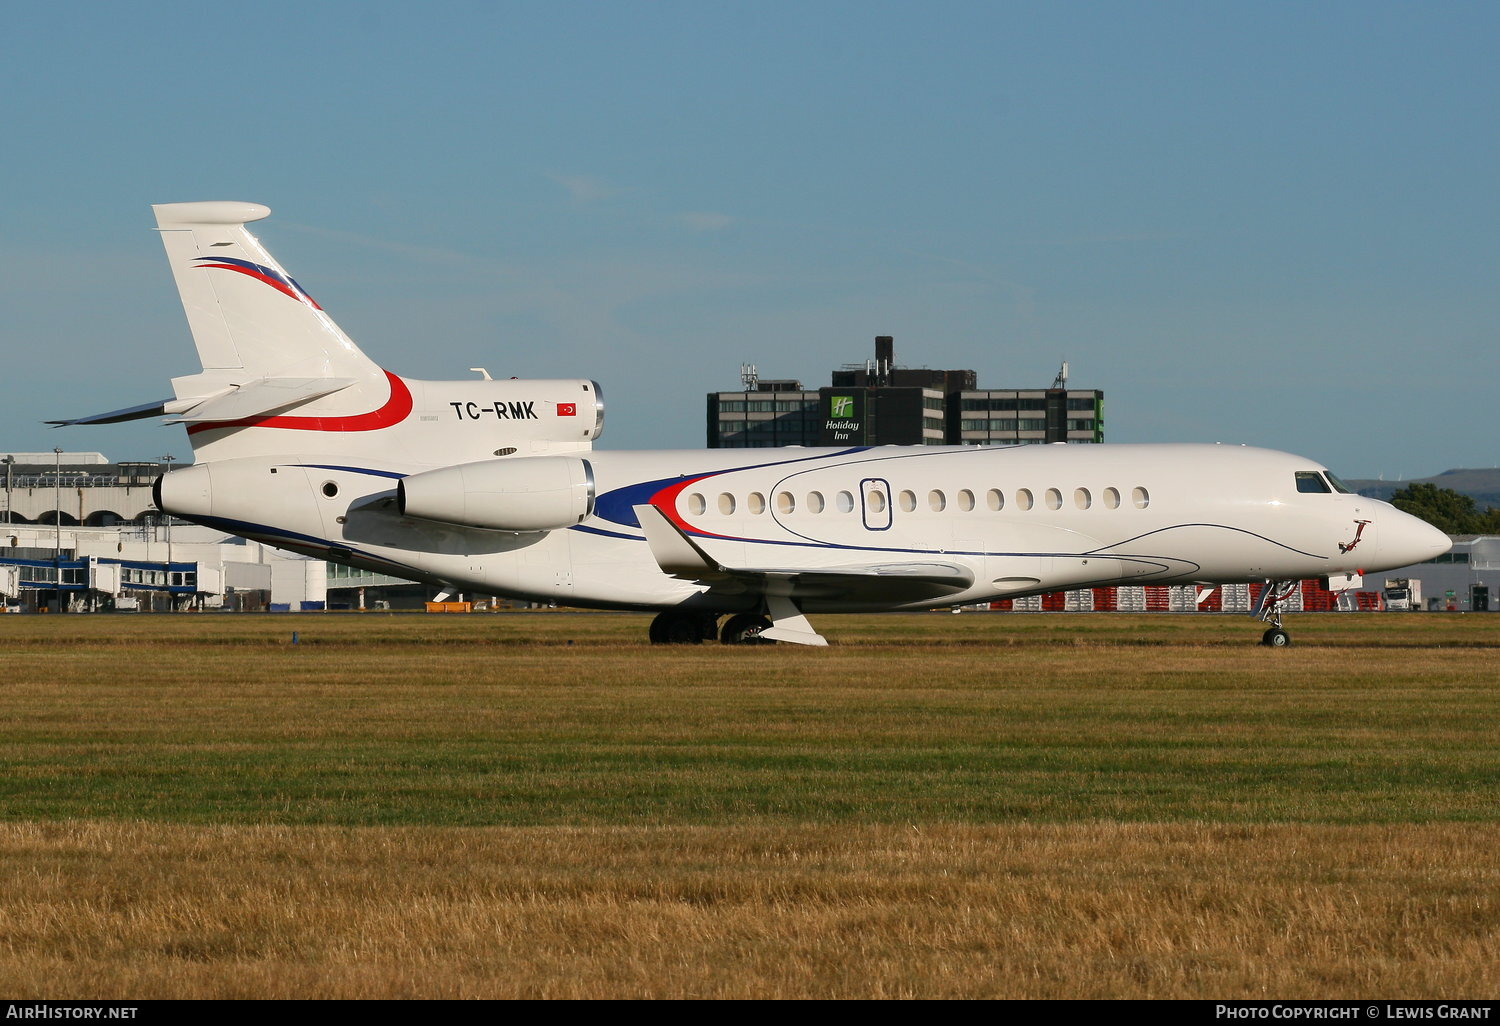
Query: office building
{"points": [[880, 403]]}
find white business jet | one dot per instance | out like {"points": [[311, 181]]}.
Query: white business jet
{"points": [[303, 442]]}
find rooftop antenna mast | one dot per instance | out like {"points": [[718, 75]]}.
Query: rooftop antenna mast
{"points": [[1061, 381], [748, 377], [885, 359]]}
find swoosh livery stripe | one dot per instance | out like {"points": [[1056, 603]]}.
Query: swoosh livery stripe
{"points": [[282, 283], [396, 409], [666, 501], [1105, 550], [617, 504]]}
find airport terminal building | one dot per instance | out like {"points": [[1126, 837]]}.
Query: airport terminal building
{"points": [[80, 533]]}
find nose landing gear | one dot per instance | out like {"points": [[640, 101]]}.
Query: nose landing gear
{"points": [[1269, 611]]}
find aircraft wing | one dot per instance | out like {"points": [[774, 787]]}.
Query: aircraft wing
{"points": [[683, 558]]}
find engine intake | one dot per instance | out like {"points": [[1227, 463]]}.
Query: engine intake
{"points": [[537, 493]]}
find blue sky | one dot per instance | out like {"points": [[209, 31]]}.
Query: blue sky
{"points": [[1270, 223]]}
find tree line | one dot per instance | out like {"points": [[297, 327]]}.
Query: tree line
{"points": [[1449, 511]]}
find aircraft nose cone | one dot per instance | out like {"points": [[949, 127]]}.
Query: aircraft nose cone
{"points": [[1405, 539]]}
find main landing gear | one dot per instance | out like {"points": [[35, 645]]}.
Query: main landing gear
{"points": [[675, 627], [782, 621], [745, 629], [1269, 611]]}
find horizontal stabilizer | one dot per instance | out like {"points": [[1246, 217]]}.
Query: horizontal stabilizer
{"points": [[263, 396], [141, 412]]}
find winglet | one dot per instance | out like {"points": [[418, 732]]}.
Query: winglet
{"points": [[674, 551]]}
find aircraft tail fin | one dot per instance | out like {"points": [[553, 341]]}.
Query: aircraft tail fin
{"points": [[266, 346], [250, 320]]}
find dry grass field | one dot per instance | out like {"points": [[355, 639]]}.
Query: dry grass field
{"points": [[984, 805]]}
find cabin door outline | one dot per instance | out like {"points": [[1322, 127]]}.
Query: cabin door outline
{"points": [[875, 503]]}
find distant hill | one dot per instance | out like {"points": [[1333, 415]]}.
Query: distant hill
{"points": [[1483, 486]]}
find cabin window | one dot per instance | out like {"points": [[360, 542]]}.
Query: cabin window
{"points": [[1140, 497], [726, 503], [1311, 481], [936, 501], [844, 502], [815, 502], [1112, 498], [697, 504], [756, 502], [995, 499], [1023, 498], [875, 500], [1082, 498], [966, 500], [1054, 499], [908, 502], [785, 503]]}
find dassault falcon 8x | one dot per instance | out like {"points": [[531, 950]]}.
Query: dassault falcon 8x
{"points": [[301, 441]]}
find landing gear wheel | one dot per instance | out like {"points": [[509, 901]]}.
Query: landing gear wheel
{"points": [[744, 629], [658, 629], [684, 630], [1276, 638], [676, 628]]}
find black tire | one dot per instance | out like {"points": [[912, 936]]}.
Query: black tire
{"points": [[744, 629], [1276, 638], [675, 627], [683, 629], [658, 631]]}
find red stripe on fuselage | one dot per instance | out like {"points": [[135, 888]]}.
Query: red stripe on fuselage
{"points": [[666, 501], [396, 409]]}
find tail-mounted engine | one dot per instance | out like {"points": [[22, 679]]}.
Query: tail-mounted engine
{"points": [[538, 493]]}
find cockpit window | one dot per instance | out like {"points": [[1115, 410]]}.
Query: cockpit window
{"points": [[1338, 485], [1311, 481]]}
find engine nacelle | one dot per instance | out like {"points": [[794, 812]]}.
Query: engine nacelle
{"points": [[537, 493]]}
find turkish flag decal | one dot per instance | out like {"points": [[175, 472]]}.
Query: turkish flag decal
{"points": [[567, 409]]}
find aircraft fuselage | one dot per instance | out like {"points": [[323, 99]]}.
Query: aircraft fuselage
{"points": [[1020, 521]]}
